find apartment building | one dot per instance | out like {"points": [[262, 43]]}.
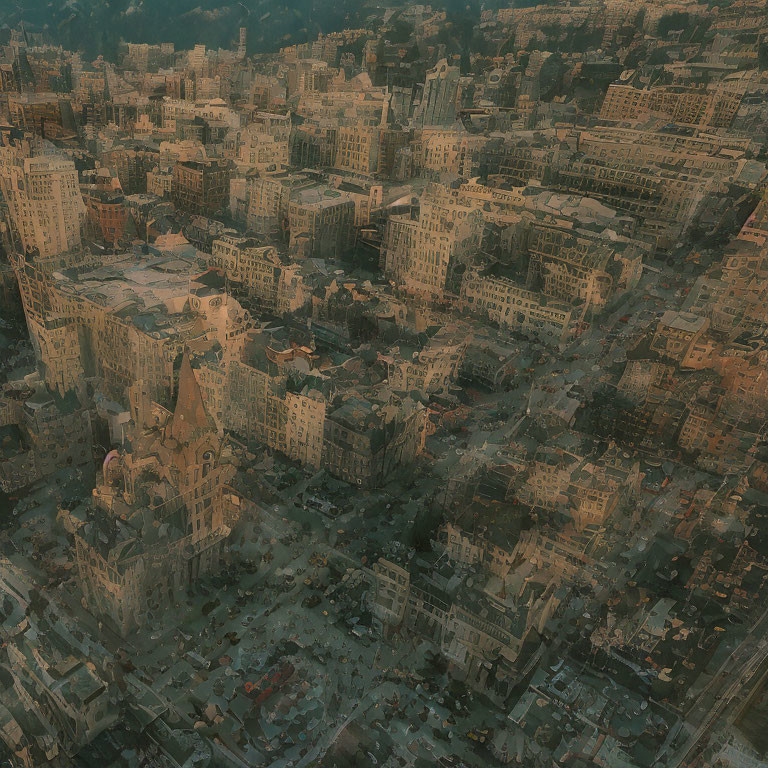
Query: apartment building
{"points": [[321, 222], [263, 152], [43, 196], [160, 182], [432, 368], [200, 187], [40, 113], [257, 394], [268, 197], [474, 630], [257, 268], [313, 145], [125, 321], [357, 149], [677, 333], [132, 167], [713, 107], [423, 254], [305, 425], [363, 442], [107, 214], [502, 301], [439, 152]]}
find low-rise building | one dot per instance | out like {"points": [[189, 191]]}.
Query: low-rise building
{"points": [[256, 268], [502, 301], [677, 333]]}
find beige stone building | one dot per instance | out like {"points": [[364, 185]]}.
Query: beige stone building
{"points": [[502, 301], [305, 425], [215, 110], [431, 368], [173, 477], [261, 151], [126, 321], [579, 267], [676, 333], [365, 441], [715, 106], [474, 629], [321, 222], [160, 182], [423, 254], [364, 106], [257, 268], [710, 154], [357, 148], [366, 194], [475, 547], [256, 393], [268, 197], [549, 475], [598, 488], [43, 196], [438, 153]]}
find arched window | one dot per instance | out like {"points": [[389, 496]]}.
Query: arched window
{"points": [[207, 462]]}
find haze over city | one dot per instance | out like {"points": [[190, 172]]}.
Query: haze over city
{"points": [[383, 385]]}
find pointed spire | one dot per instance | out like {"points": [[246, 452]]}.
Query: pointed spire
{"points": [[190, 416]]}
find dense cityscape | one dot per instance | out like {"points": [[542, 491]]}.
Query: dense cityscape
{"points": [[388, 395]]}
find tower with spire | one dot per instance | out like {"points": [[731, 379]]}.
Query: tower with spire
{"points": [[157, 518]]}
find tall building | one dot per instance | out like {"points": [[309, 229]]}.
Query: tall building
{"points": [[197, 59], [357, 148], [427, 255], [438, 100], [241, 45], [43, 197], [46, 212], [321, 222], [171, 476], [201, 188], [41, 113]]}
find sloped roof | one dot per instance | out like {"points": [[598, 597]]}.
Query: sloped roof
{"points": [[190, 416]]}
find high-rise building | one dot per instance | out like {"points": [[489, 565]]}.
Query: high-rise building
{"points": [[426, 255], [197, 59], [438, 100], [43, 197]]}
